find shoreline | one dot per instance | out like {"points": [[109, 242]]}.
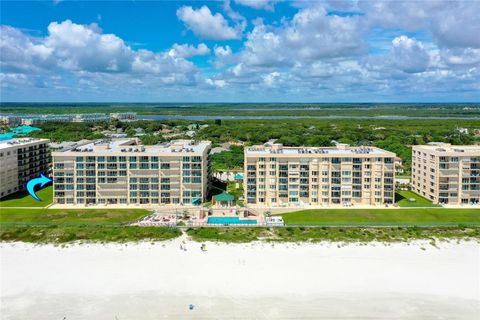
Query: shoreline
{"points": [[413, 280]]}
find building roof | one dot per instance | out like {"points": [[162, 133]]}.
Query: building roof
{"points": [[130, 145], [238, 176], [340, 150], [217, 150], [20, 142], [24, 129], [439, 147], [222, 197]]}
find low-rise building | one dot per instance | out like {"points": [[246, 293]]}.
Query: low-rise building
{"points": [[447, 174], [21, 160], [123, 172], [124, 116], [11, 120], [399, 169], [335, 176]]}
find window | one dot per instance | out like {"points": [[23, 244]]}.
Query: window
{"points": [[165, 166]]}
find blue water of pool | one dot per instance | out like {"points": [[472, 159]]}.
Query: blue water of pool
{"points": [[229, 220]]}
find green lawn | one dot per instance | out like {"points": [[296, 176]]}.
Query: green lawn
{"points": [[379, 217], [70, 216], [64, 225], [402, 196], [23, 199]]}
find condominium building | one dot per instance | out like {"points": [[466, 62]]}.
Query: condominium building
{"points": [[339, 176], [447, 174], [21, 160], [124, 172]]}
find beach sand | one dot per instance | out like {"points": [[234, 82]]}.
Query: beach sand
{"points": [[240, 281]]}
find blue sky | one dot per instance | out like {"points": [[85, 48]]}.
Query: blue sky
{"points": [[240, 51]]}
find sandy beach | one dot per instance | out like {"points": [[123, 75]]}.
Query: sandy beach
{"points": [[240, 281]]}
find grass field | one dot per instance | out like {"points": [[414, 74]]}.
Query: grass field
{"points": [[23, 199], [91, 233], [62, 225], [379, 217], [41, 225], [402, 196], [337, 234], [70, 216]]}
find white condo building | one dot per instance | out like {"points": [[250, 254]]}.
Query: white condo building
{"points": [[447, 174], [123, 172], [335, 176], [21, 159]]}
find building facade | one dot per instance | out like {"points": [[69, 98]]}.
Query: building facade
{"points": [[21, 160], [123, 172], [340, 176], [447, 174]]}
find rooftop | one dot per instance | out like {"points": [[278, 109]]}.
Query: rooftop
{"points": [[223, 197], [24, 129], [340, 150], [20, 142], [440, 147], [132, 145]]}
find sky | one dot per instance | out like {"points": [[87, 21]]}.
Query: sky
{"points": [[240, 51]]}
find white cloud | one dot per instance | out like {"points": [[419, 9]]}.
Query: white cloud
{"points": [[460, 27], [409, 55], [311, 35], [313, 55], [220, 83], [257, 4], [315, 34], [206, 25], [187, 51], [452, 23], [264, 48], [84, 47], [222, 51], [270, 78], [19, 53], [461, 57]]}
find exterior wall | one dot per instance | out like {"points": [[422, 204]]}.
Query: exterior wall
{"points": [[130, 177], [277, 178], [447, 174], [20, 161]]}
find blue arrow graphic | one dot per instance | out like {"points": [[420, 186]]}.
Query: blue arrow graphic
{"points": [[37, 181]]}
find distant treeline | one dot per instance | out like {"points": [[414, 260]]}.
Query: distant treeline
{"points": [[253, 109]]}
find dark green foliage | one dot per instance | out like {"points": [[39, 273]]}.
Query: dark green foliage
{"points": [[356, 234], [100, 233], [71, 131], [228, 160]]}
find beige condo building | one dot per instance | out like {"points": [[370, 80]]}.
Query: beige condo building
{"points": [[21, 159], [447, 174], [335, 176], [122, 172]]}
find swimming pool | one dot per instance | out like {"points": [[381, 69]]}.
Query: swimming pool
{"points": [[229, 220]]}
